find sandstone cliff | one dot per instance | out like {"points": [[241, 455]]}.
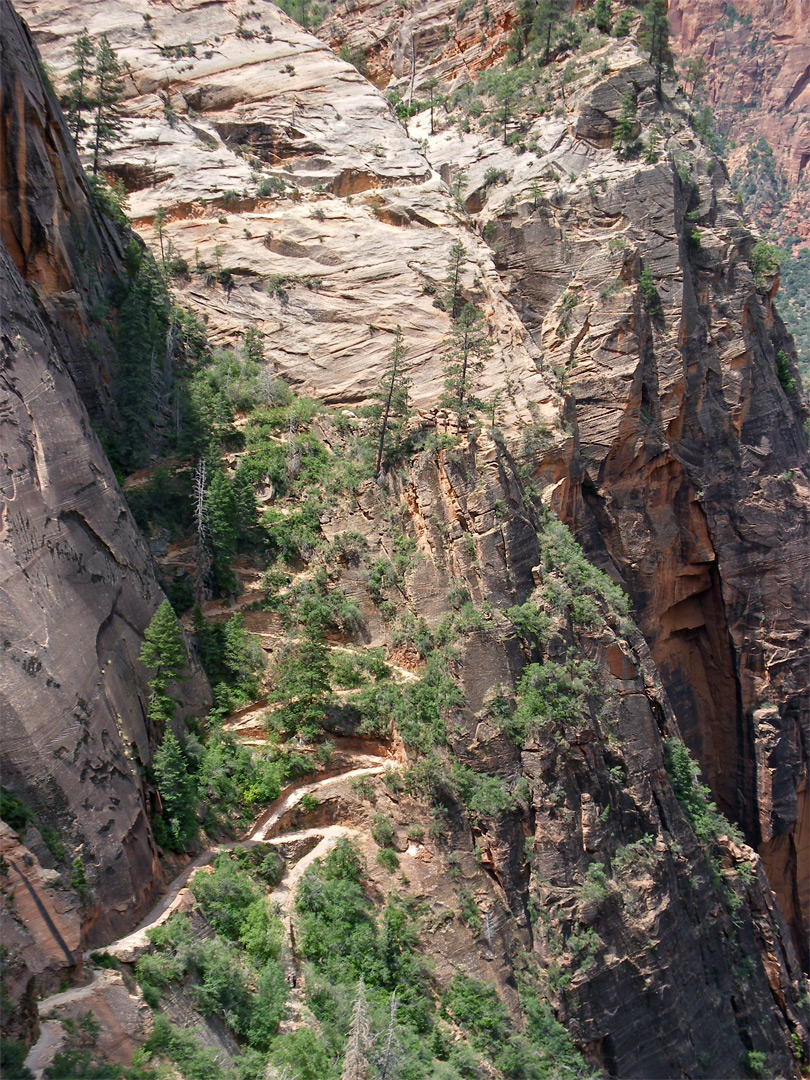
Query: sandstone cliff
{"points": [[78, 583], [758, 85]]}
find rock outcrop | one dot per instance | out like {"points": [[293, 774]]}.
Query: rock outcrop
{"points": [[78, 583], [757, 83]]}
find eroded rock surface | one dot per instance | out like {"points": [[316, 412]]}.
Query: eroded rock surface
{"points": [[78, 584]]}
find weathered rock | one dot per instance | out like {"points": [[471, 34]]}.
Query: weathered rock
{"points": [[757, 83], [78, 583], [687, 475], [41, 933]]}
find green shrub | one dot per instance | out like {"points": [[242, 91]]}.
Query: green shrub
{"points": [[763, 260], [477, 1008], [694, 797], [388, 859], [786, 380], [649, 293]]}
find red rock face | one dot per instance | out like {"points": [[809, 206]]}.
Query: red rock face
{"points": [[757, 83], [79, 585]]}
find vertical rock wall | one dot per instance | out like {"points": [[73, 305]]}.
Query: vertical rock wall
{"points": [[77, 583]]}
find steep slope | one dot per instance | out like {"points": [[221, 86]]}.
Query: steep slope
{"points": [[757, 83], [78, 583], [688, 465], [658, 429]]}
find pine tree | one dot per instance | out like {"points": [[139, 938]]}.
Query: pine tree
{"points": [[304, 687], [654, 35], [159, 225], [164, 651], [393, 397], [109, 89], [78, 99], [223, 527], [547, 19], [356, 1065], [253, 346], [455, 267], [468, 348], [624, 141], [178, 793], [601, 15]]}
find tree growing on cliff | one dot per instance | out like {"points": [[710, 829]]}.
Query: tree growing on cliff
{"points": [[654, 35], [392, 397], [625, 142], [548, 18], [109, 89], [164, 652], [178, 795], [468, 349], [455, 267], [78, 99]]}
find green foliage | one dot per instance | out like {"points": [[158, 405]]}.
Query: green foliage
{"points": [[764, 260], [794, 305], [756, 1064], [783, 372], [303, 688], [164, 652], [143, 321], [185, 1050], [78, 100], [467, 350], [13, 1055], [232, 659], [649, 292], [483, 796], [304, 1053], [165, 502], [178, 793], [550, 697], [108, 122], [388, 859], [625, 138], [560, 554], [391, 411], [78, 879], [624, 23], [14, 811], [654, 35], [694, 797], [477, 1008], [601, 16]]}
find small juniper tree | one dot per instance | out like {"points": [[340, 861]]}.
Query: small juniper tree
{"points": [[78, 99], [109, 89], [468, 349], [392, 395]]}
